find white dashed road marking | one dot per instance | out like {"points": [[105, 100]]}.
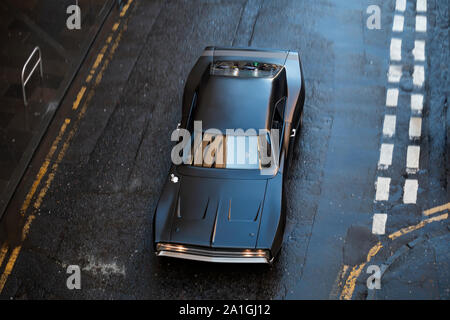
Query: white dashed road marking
{"points": [[419, 76], [394, 74], [398, 23], [379, 223], [396, 49], [400, 5], [410, 191], [382, 186], [389, 125], [419, 50], [392, 97], [412, 159], [421, 24], [415, 128], [385, 156], [417, 103], [421, 6]]}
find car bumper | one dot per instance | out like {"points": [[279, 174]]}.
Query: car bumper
{"points": [[213, 255]]}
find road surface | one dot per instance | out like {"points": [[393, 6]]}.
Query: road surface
{"points": [[370, 158]]}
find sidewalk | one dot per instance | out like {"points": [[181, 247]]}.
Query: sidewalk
{"points": [[25, 25]]}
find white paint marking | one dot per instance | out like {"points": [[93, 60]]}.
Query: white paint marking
{"points": [[395, 74], [412, 159], [421, 6], [417, 103], [386, 152], [97, 267], [419, 76], [382, 185], [396, 49], [415, 128], [397, 25], [379, 223], [410, 191], [392, 97], [421, 24], [389, 125], [419, 50], [400, 5]]}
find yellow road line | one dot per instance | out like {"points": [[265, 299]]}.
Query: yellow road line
{"points": [[406, 230], [37, 203], [105, 47], [100, 56], [342, 273], [31, 217], [98, 60], [125, 8], [349, 286], [44, 167], [115, 26], [338, 281], [434, 210], [51, 175], [350, 283], [113, 50], [79, 97], [14, 255], [27, 226], [9, 267], [3, 252], [41, 173]]}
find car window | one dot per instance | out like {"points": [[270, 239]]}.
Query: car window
{"points": [[233, 152], [190, 122], [278, 115]]}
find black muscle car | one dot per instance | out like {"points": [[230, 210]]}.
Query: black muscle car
{"points": [[229, 206]]}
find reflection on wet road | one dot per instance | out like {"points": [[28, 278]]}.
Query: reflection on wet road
{"points": [[361, 168]]}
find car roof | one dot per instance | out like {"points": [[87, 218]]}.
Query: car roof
{"points": [[234, 103]]}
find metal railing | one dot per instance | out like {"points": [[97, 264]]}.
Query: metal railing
{"points": [[24, 82]]}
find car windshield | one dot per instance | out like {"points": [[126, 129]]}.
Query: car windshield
{"points": [[232, 151]]}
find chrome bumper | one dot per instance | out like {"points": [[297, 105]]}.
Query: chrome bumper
{"points": [[212, 255]]}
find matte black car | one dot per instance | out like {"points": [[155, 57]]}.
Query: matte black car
{"points": [[233, 212]]}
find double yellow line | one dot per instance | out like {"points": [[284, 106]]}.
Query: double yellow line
{"points": [[114, 37], [350, 283]]}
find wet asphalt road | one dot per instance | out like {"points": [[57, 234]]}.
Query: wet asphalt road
{"points": [[98, 210]]}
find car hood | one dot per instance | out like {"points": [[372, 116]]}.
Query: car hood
{"points": [[220, 213]]}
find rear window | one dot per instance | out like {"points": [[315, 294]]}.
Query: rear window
{"points": [[233, 152]]}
